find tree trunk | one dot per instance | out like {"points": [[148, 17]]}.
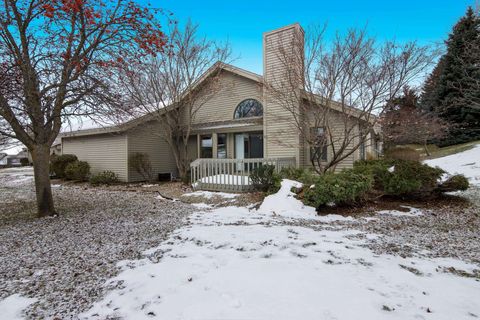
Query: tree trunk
{"points": [[426, 148], [41, 169]]}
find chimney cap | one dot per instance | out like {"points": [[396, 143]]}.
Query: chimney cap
{"points": [[295, 25]]}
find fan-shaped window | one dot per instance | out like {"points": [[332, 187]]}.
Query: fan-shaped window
{"points": [[249, 108]]}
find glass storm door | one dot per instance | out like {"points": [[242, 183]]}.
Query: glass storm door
{"points": [[248, 145]]}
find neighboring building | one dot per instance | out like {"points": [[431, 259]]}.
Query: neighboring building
{"points": [[239, 122], [56, 148], [16, 160], [3, 159]]}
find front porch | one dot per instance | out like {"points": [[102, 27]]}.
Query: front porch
{"points": [[230, 175]]}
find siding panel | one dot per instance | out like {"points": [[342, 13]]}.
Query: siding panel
{"points": [[102, 152], [147, 139]]}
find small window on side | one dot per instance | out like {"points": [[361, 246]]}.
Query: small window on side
{"points": [[319, 148]]}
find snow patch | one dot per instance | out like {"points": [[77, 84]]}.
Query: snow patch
{"points": [[11, 308], [413, 212], [209, 194], [285, 204], [466, 163], [227, 265]]}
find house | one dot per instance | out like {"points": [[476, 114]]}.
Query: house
{"points": [[3, 159], [56, 148], [16, 160], [240, 122]]}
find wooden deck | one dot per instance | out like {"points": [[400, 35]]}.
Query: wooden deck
{"points": [[230, 175]]}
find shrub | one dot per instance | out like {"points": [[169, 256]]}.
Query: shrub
{"points": [[105, 177], [402, 153], [140, 162], [344, 188], [59, 163], [77, 170], [402, 178], [305, 176], [264, 178], [454, 183], [24, 162]]}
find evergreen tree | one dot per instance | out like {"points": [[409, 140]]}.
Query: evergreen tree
{"points": [[452, 90], [430, 98]]}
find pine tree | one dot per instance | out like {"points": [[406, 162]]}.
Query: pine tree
{"points": [[430, 98], [452, 90]]}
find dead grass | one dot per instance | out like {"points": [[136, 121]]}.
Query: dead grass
{"points": [[437, 152], [441, 202]]}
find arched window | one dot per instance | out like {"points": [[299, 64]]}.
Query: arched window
{"points": [[248, 108]]}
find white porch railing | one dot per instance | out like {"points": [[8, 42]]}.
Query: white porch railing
{"points": [[230, 175]]}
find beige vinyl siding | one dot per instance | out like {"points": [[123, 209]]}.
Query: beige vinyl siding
{"points": [[280, 131], [337, 127], [103, 152], [147, 139], [192, 148], [221, 106]]}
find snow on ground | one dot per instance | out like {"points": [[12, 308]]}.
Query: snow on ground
{"points": [[227, 179], [284, 202], [64, 261], [412, 212], [239, 263], [209, 194], [466, 163], [14, 177], [11, 308]]}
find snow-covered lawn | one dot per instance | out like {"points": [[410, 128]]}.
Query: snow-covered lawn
{"points": [[466, 163], [278, 260], [239, 263]]}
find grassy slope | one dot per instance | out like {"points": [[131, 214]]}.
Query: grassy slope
{"points": [[437, 152]]}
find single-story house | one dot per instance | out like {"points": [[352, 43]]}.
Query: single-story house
{"points": [[239, 122], [14, 160], [3, 159]]}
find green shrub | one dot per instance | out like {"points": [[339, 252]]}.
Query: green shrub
{"points": [[454, 183], [340, 189], [59, 163], [401, 178], [264, 178], [305, 176], [24, 162], [77, 170], [402, 153], [140, 162], [105, 177]]}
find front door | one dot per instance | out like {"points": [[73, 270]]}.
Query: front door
{"points": [[248, 145]]}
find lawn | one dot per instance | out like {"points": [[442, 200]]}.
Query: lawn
{"points": [[437, 152], [127, 252]]}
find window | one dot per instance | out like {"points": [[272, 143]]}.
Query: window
{"points": [[206, 146], [221, 146], [248, 108], [319, 149], [362, 151]]}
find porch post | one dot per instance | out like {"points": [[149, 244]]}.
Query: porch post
{"points": [[198, 146], [214, 145]]}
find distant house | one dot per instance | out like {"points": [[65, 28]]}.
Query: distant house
{"points": [[3, 159], [240, 122], [16, 160], [56, 148]]}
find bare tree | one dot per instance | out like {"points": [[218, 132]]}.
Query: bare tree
{"points": [[165, 89], [56, 58], [337, 90], [404, 122]]}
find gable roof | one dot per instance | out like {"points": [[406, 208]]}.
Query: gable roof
{"points": [[116, 129]]}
